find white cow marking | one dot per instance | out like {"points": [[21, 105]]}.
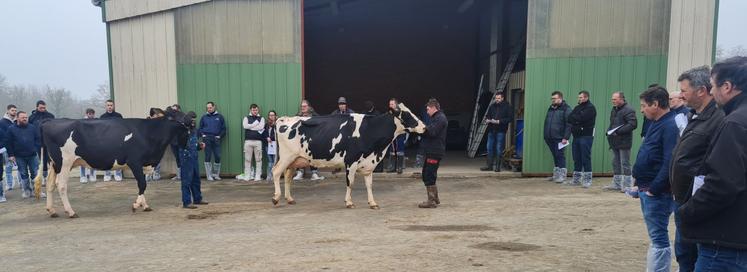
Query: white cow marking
{"points": [[358, 118], [335, 141], [128, 137], [343, 124]]}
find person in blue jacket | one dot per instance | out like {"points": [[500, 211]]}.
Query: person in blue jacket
{"points": [[651, 174], [212, 130], [190, 172], [23, 143]]}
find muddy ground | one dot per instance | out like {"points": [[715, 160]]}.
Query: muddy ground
{"points": [[483, 224]]}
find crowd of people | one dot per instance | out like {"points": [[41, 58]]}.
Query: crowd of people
{"points": [[692, 161]]}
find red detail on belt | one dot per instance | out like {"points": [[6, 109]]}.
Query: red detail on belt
{"points": [[431, 161]]}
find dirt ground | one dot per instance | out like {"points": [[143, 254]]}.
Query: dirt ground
{"points": [[483, 224]]}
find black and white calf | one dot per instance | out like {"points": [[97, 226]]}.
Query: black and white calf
{"points": [[107, 144], [356, 142]]}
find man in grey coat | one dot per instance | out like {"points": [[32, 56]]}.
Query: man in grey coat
{"points": [[620, 138], [557, 131]]}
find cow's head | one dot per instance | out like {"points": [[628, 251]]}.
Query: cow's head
{"points": [[408, 120], [186, 120]]}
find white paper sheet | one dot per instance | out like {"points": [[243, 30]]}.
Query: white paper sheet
{"points": [[272, 148], [561, 145], [609, 132], [3, 150], [698, 182]]}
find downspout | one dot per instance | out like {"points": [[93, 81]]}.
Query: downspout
{"points": [[108, 47], [715, 32]]}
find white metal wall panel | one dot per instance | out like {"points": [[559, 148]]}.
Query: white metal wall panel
{"points": [[121, 9], [691, 37], [144, 66]]}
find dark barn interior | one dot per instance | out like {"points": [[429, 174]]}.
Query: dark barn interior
{"points": [[411, 50]]}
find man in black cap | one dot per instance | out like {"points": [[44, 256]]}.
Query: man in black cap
{"points": [[342, 106]]}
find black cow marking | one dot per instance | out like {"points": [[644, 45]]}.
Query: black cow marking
{"points": [[283, 129]]}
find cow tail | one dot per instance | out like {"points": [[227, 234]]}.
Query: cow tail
{"points": [[39, 175]]}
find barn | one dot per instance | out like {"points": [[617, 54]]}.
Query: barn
{"points": [[276, 52]]}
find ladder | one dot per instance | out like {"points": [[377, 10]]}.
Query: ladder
{"points": [[477, 109], [479, 131]]}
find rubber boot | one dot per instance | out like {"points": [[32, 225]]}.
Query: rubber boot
{"points": [[497, 166], [616, 184], [216, 171], [391, 164], [431, 202], [209, 171], [488, 164], [555, 171], [400, 164], [587, 180], [562, 173], [577, 177]]}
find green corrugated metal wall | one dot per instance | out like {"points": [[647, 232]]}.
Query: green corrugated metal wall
{"points": [[233, 87], [237, 53], [600, 76]]}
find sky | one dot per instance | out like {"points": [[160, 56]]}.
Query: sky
{"points": [[62, 43]]}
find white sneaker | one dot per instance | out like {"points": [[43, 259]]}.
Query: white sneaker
{"points": [[43, 195], [316, 176], [258, 179], [2, 199], [299, 175], [83, 180], [25, 194], [117, 177], [91, 178], [107, 178]]}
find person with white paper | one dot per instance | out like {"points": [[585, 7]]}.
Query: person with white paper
{"points": [[557, 131], [689, 154], [715, 217], [620, 137]]}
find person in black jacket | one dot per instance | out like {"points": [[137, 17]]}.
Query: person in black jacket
{"points": [[111, 113], [434, 147], [689, 153], [582, 120], [499, 116], [36, 118], [715, 217], [557, 130], [620, 137], [23, 143]]}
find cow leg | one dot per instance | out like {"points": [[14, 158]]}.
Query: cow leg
{"points": [[350, 175], [141, 184], [369, 183], [288, 182], [277, 171], [51, 180], [62, 189]]}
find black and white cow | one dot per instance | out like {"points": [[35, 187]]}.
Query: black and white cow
{"points": [[107, 144], [356, 142]]}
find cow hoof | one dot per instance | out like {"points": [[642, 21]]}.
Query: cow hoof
{"points": [[292, 202], [375, 207], [148, 209], [350, 206], [54, 215], [75, 215], [274, 202]]}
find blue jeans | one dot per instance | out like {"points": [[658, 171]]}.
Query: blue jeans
{"points": [[190, 173], [558, 156], [656, 211], [27, 168], [496, 140], [398, 146], [212, 148], [718, 258], [686, 253], [8, 170], [582, 153], [270, 164]]}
